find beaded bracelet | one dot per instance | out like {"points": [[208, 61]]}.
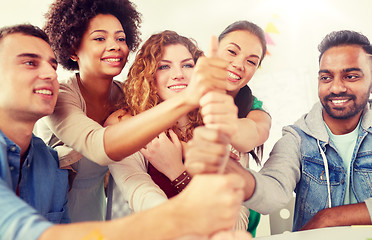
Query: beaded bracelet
{"points": [[181, 182]]}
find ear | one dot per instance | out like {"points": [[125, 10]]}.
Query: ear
{"points": [[74, 57]]}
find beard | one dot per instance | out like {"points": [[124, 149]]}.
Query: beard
{"points": [[344, 112]]}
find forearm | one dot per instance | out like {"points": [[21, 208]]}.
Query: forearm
{"points": [[252, 132], [135, 183], [249, 180], [127, 137], [144, 225], [346, 215]]}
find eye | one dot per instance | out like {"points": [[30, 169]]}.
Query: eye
{"points": [[325, 78], [31, 63], [252, 62], [121, 39], [232, 52], [188, 65], [99, 39], [352, 77], [163, 67]]}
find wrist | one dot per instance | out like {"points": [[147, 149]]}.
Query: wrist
{"points": [[181, 181]]}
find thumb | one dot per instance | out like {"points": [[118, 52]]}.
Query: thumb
{"points": [[213, 47]]}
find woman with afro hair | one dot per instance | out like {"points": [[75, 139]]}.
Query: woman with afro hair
{"points": [[94, 39]]}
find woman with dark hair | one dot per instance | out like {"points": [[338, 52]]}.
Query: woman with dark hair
{"points": [[94, 38], [242, 44]]}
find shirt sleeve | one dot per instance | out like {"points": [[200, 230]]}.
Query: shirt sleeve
{"points": [[70, 124], [257, 104], [18, 220], [278, 177], [136, 185], [368, 202]]}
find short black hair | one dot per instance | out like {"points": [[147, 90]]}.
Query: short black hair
{"points": [[344, 37], [67, 21], [26, 29]]}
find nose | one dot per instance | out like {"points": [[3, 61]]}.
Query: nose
{"points": [[238, 63], [177, 74], [112, 45], [337, 86], [47, 72]]}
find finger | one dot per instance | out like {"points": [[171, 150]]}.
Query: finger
{"points": [[204, 134], [174, 138], [213, 47]]}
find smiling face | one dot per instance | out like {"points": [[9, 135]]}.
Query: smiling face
{"points": [[28, 82], [344, 82], [103, 51], [243, 51], [174, 71]]}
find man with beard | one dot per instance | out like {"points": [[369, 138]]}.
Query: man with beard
{"points": [[326, 156]]}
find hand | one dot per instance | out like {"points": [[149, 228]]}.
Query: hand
{"points": [[210, 73], [220, 112], [211, 202], [206, 151], [165, 155]]}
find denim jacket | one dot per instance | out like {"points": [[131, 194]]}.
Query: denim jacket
{"points": [[296, 164], [43, 188]]}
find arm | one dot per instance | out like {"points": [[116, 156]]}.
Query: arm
{"points": [[117, 141], [18, 220], [189, 209], [135, 184], [346, 215], [209, 74], [265, 191], [253, 131]]}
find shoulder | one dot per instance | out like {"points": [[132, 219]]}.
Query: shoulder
{"points": [[116, 117], [42, 150]]}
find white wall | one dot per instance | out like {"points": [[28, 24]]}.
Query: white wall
{"points": [[287, 80]]}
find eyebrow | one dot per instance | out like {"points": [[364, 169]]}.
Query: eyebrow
{"points": [[344, 70], [104, 31], [237, 46], [184, 60]]}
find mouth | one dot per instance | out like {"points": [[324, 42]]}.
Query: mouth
{"points": [[178, 87], [113, 60], [46, 92], [234, 77]]}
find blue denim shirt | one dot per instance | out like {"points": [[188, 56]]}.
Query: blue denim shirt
{"points": [[311, 190], [42, 189]]}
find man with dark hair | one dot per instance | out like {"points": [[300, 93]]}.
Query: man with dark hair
{"points": [[33, 190], [326, 156]]}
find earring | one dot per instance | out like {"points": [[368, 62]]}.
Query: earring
{"points": [[74, 58]]}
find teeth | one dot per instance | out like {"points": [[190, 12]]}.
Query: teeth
{"points": [[112, 59], [339, 101], [44, 91], [177, 87], [232, 75]]}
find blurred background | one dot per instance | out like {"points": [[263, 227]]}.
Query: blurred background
{"points": [[287, 79]]}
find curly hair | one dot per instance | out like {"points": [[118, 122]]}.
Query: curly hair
{"points": [[140, 90], [67, 21]]}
